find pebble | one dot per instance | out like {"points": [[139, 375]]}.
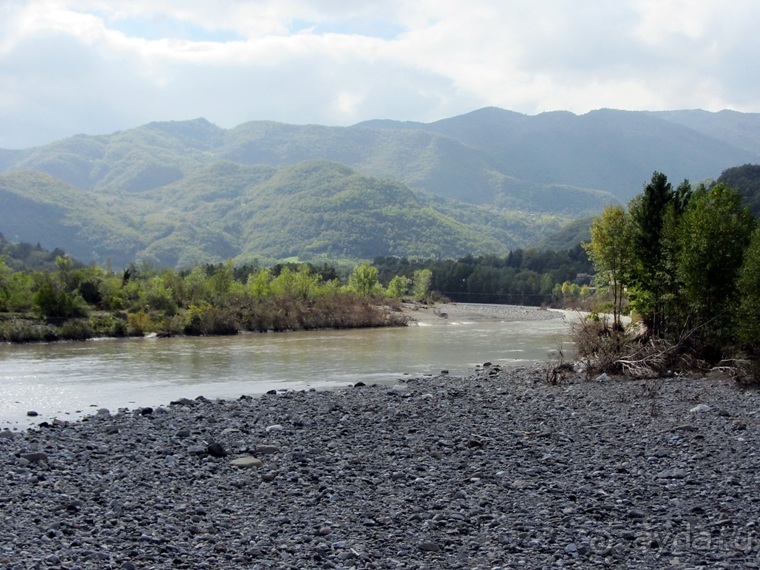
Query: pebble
{"points": [[500, 472]]}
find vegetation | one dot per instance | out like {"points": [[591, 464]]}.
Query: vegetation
{"points": [[74, 301], [522, 277], [77, 302], [687, 262], [311, 211], [182, 193]]}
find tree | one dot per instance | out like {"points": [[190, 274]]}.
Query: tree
{"points": [[654, 217], [713, 236], [610, 251], [748, 316], [364, 281], [421, 283], [398, 287]]}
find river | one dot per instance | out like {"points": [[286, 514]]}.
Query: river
{"points": [[66, 380]]}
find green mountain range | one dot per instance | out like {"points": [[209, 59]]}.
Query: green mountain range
{"points": [[176, 193]]}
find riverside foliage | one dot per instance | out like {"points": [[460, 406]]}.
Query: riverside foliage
{"points": [[78, 302], [686, 263]]}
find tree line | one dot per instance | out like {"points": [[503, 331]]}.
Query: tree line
{"points": [[74, 301], [524, 277], [686, 263]]}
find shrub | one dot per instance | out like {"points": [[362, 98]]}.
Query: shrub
{"points": [[205, 319], [75, 330], [139, 323]]}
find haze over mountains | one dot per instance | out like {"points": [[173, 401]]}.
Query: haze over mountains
{"points": [[178, 193]]}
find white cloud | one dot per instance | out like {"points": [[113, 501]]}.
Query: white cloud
{"points": [[95, 66]]}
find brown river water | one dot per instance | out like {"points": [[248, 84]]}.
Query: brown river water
{"points": [[67, 380]]}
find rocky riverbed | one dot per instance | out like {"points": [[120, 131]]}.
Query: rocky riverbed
{"points": [[496, 470]]}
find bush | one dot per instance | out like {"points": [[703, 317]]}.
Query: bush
{"points": [[24, 331], [205, 319], [52, 301], [75, 330], [139, 323], [109, 325]]}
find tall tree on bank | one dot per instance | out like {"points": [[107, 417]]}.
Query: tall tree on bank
{"points": [[713, 236], [655, 215], [748, 315], [610, 250]]}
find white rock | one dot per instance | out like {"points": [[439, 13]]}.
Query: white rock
{"points": [[700, 408]]}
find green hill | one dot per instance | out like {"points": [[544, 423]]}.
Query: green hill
{"points": [[315, 209], [186, 191]]}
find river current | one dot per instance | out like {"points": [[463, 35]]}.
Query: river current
{"points": [[67, 380]]}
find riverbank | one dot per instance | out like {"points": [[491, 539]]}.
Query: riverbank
{"points": [[451, 313], [498, 469]]}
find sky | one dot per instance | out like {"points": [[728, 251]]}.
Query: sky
{"points": [[99, 66]]}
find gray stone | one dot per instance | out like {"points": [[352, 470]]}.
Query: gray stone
{"points": [[247, 461], [266, 449], [428, 546], [674, 473]]}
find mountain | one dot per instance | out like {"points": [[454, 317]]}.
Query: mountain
{"points": [[184, 191], [314, 209], [746, 179]]}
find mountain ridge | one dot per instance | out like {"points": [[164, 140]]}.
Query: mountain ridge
{"points": [[494, 179]]}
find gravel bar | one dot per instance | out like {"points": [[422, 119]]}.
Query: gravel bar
{"points": [[496, 470]]}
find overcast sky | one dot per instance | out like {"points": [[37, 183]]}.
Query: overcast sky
{"points": [[97, 66]]}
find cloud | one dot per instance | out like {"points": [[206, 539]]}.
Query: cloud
{"points": [[95, 66]]}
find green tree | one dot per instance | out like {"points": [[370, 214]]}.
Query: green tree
{"points": [[611, 252], [398, 287], [748, 316], [51, 300], [421, 282], [654, 217], [5, 293], [714, 234], [258, 284], [364, 281]]}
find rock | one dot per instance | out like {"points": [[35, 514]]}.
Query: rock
{"points": [[266, 449], [216, 450], [672, 474], [183, 402], [37, 457], [146, 411], [32, 414], [198, 450], [247, 461], [359, 385], [603, 377], [701, 408], [275, 427], [429, 546], [6, 434], [183, 433]]}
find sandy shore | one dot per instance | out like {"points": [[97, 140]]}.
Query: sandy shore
{"points": [[496, 470]]}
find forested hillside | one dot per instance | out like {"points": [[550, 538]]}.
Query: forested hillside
{"points": [[313, 210], [486, 182]]}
